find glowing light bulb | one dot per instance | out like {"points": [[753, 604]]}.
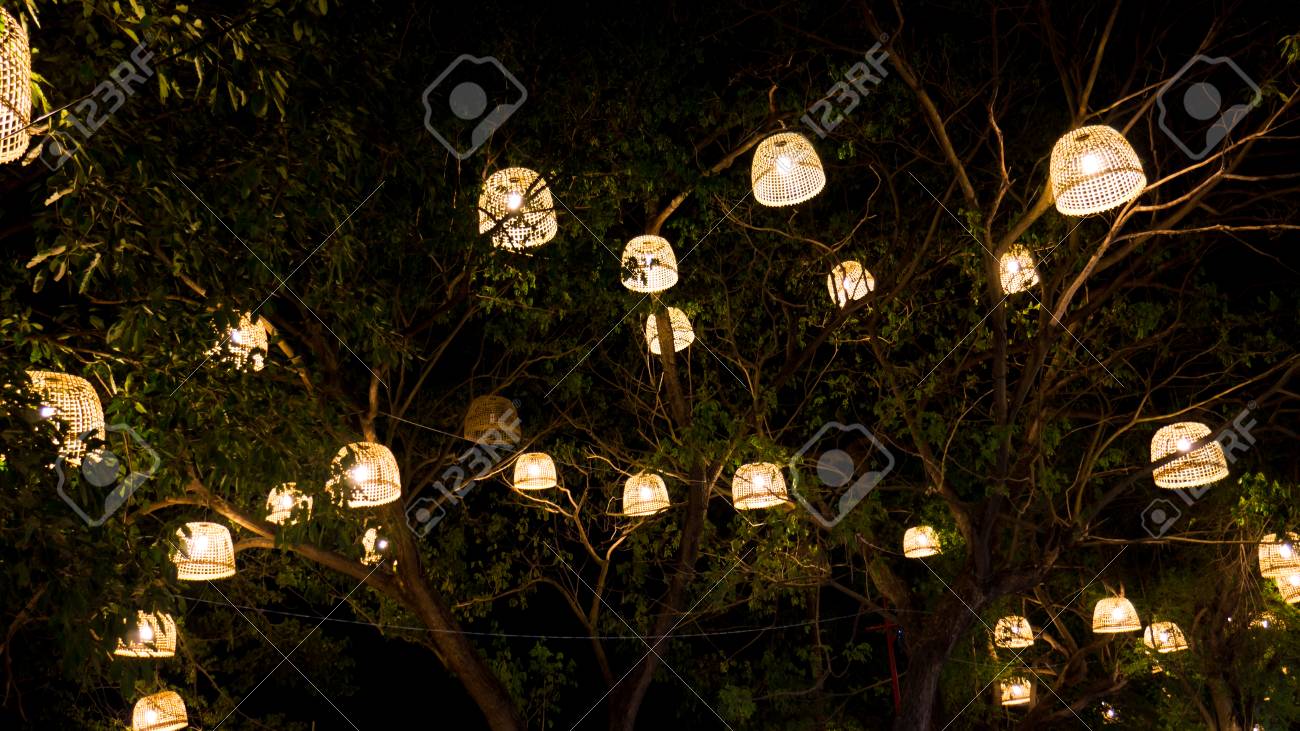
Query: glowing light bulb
{"points": [[286, 501], [146, 633], [199, 544], [784, 165], [360, 473], [1284, 550], [1013, 266], [1294, 579], [1117, 613], [151, 715], [534, 470], [46, 411], [1184, 444], [646, 493], [1164, 636], [1017, 689], [236, 336], [514, 200], [1090, 163], [381, 544], [1264, 624]]}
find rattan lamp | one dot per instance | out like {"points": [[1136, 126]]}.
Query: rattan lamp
{"points": [[758, 485], [649, 264], [1016, 270], [644, 494], [491, 420], [72, 400], [849, 281], [1164, 637], [786, 170], [1195, 468], [163, 711], [1289, 587], [375, 546], [283, 500], [203, 552], [920, 542], [1115, 614], [1266, 620], [683, 335], [245, 346], [1094, 169], [516, 209], [15, 88], [1279, 557], [1016, 691], [370, 473], [534, 471], [153, 636], [1013, 632]]}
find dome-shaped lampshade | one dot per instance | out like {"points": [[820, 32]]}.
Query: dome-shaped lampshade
{"points": [[534, 471], [1094, 169], [516, 209], [644, 494], [492, 421], [203, 552], [786, 170], [1013, 632], [72, 400], [1289, 587], [649, 264], [1164, 637], [758, 485], [1016, 270], [920, 542], [368, 473], [154, 635], [683, 335], [1266, 620], [1195, 468], [849, 281], [245, 345], [376, 546], [163, 711], [1115, 614], [1016, 691], [283, 500], [15, 88], [1279, 557]]}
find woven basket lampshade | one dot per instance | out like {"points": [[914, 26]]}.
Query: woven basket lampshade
{"points": [[849, 281], [1016, 270], [649, 264], [683, 335], [370, 473], [644, 494], [1279, 557], [1013, 632], [1016, 691], [1115, 614], [1289, 587], [920, 542], [534, 471], [758, 485], [1195, 468], [72, 400], [15, 88], [283, 500], [154, 635], [163, 711], [1164, 637], [491, 420], [786, 170], [206, 553], [246, 344], [375, 545], [1266, 620], [516, 209], [1094, 169]]}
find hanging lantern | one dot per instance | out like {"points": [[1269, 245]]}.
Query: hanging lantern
{"points": [[72, 400], [154, 635], [163, 711], [758, 485], [644, 494], [1279, 557], [375, 545], [649, 264], [206, 553], [1016, 269], [15, 88], [1094, 169], [1115, 614], [283, 500], [1164, 637], [516, 209], [1016, 691], [245, 346], [1193, 469], [920, 542], [534, 471], [370, 472], [786, 170], [1289, 587], [848, 281], [491, 420], [1266, 620], [1013, 633], [683, 335]]}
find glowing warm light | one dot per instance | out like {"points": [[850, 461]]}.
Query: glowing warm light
{"points": [[382, 544], [514, 200], [146, 633], [1013, 266], [1090, 163], [1184, 444], [1285, 550], [286, 501], [784, 165], [360, 473], [47, 411]]}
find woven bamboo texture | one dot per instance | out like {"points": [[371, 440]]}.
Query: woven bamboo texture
{"points": [[491, 420], [1094, 169], [1016, 270], [1195, 468], [1115, 614], [920, 542], [72, 400], [644, 494], [535, 471], [282, 501], [368, 471], [153, 636], [204, 552], [1013, 632], [1164, 637], [163, 711], [15, 89], [786, 170], [649, 264], [516, 209], [758, 485], [683, 334], [849, 281]]}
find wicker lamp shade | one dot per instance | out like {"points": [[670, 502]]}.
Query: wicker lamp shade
{"points": [[370, 473], [375, 546], [163, 711], [1279, 557], [245, 346], [1013, 632], [15, 88], [534, 471], [1266, 620], [1016, 691], [206, 553], [1115, 614], [649, 264], [283, 500], [1164, 637], [516, 209], [1094, 169], [154, 635], [786, 170], [644, 494], [758, 485], [849, 281], [683, 335], [1016, 270], [1195, 468], [920, 542], [491, 420], [1289, 587], [72, 400]]}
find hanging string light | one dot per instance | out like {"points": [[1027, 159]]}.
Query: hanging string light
{"points": [[758, 485], [516, 209], [283, 500], [1094, 169], [920, 542], [534, 471], [368, 473], [849, 281], [786, 170], [73, 401], [203, 552], [644, 494], [1195, 468], [163, 711], [649, 264], [153, 636]]}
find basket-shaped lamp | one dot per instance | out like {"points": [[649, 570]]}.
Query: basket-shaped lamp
{"points": [[534, 471], [375, 546], [758, 485], [644, 494], [1016, 691], [1289, 587], [1279, 557], [206, 553], [921, 541], [849, 281], [1195, 468], [15, 88], [245, 346], [786, 170], [72, 400], [1016, 270], [683, 335], [516, 209], [1266, 620], [1164, 637], [1115, 614], [1094, 169], [154, 635], [163, 711], [283, 500], [491, 420], [649, 264], [369, 472], [1013, 632]]}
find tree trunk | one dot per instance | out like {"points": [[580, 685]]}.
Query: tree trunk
{"points": [[926, 656]]}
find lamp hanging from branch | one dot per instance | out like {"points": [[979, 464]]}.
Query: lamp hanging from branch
{"points": [[282, 501], [163, 711], [1094, 169], [649, 264], [758, 485], [15, 88], [1279, 557], [920, 542], [849, 281], [203, 552], [375, 546], [683, 335], [1195, 467], [786, 170], [153, 636], [492, 421], [368, 473], [516, 209], [245, 346], [1016, 691], [535, 471], [1013, 632], [72, 400], [1115, 614], [644, 494], [1289, 587], [1164, 637], [1016, 270]]}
